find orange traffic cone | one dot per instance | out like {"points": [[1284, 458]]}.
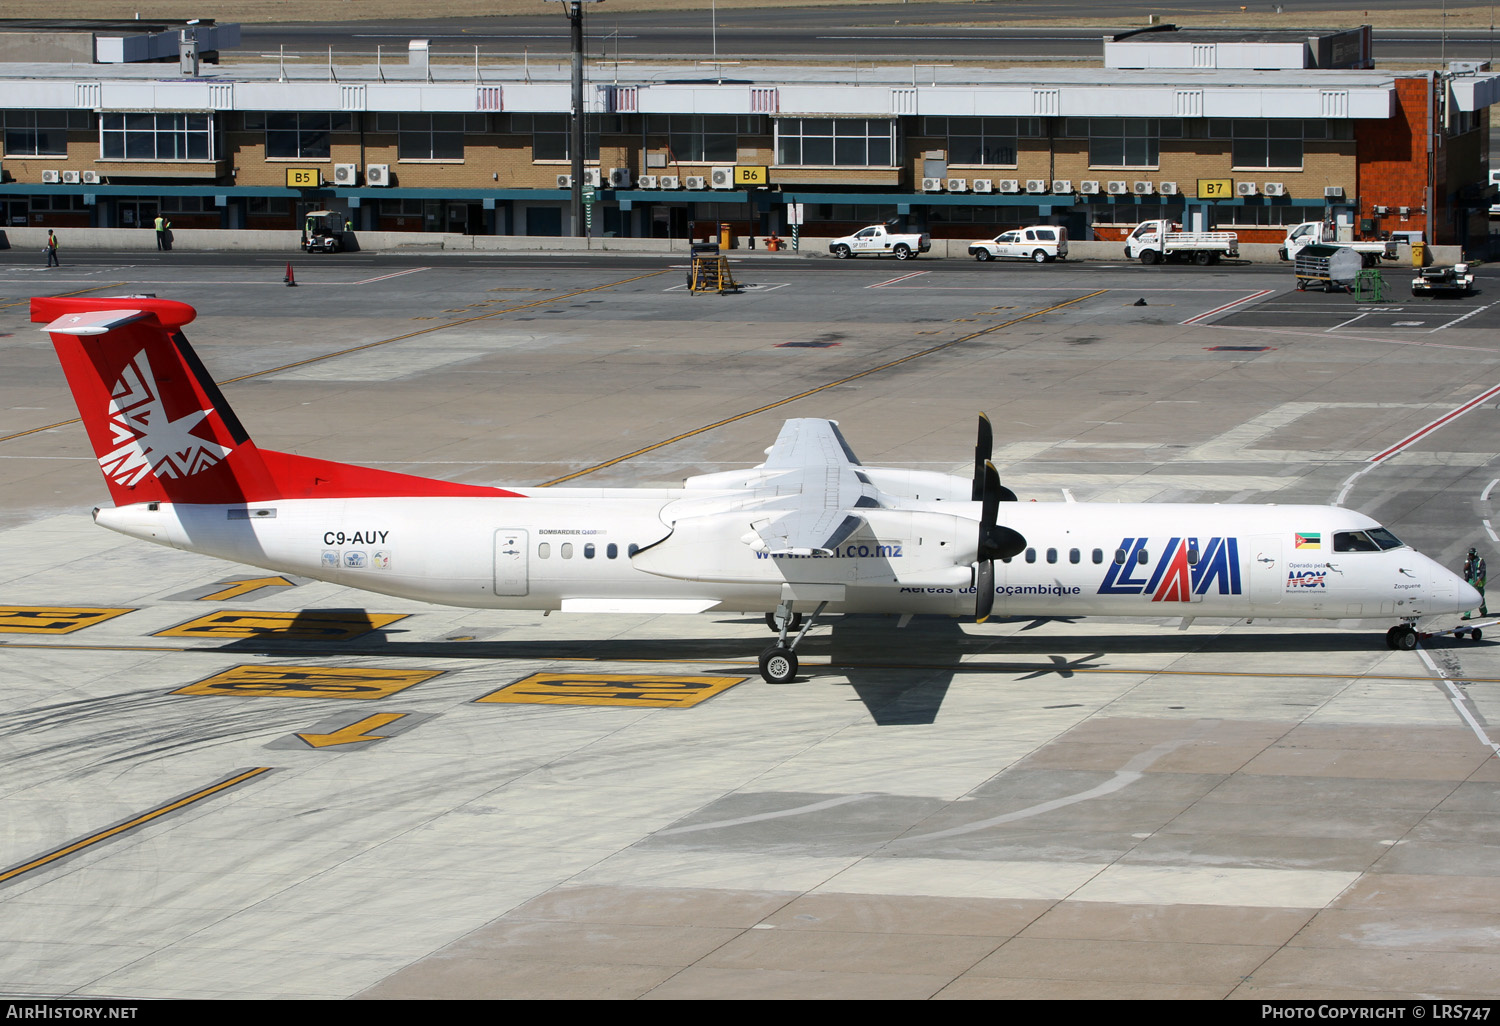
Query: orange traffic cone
{"points": [[290, 279]]}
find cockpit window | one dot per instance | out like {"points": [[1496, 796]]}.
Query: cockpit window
{"points": [[1377, 539]]}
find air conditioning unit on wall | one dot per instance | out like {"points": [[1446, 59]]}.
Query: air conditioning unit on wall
{"points": [[982, 185], [932, 185], [565, 181], [1088, 188], [671, 182], [723, 178], [1274, 189], [958, 185], [1119, 188], [646, 182], [619, 178], [378, 174], [1244, 188], [1008, 185], [1062, 186], [1167, 188], [51, 177], [346, 174], [1036, 186], [591, 176], [1143, 188], [695, 182]]}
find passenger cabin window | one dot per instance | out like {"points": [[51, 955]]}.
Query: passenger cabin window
{"points": [[1120, 556], [544, 550], [588, 551], [612, 550], [1141, 557], [1031, 555], [1052, 555], [567, 550], [632, 549], [1074, 555], [1192, 557], [1098, 555]]}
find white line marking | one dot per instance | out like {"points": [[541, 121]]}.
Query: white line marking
{"points": [[1453, 414], [1351, 320], [1465, 317], [801, 810], [1458, 703], [1228, 306], [893, 281], [1484, 496], [1490, 531], [1129, 774], [1348, 338]]}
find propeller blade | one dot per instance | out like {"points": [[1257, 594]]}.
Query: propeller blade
{"points": [[995, 541], [984, 591], [983, 450]]}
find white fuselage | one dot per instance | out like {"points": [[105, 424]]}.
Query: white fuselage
{"points": [[620, 550]]}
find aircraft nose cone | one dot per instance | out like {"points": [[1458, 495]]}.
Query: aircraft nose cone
{"points": [[1468, 595]]}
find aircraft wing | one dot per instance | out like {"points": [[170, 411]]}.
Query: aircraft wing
{"points": [[817, 487]]}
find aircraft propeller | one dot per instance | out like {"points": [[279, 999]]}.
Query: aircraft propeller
{"points": [[995, 540], [984, 449]]}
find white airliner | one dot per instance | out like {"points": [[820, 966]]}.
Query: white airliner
{"points": [[811, 530]]}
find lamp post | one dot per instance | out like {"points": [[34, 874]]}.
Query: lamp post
{"points": [[574, 10]]}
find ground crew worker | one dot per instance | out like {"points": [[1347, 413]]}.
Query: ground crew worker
{"points": [[1474, 573], [51, 249], [161, 232]]}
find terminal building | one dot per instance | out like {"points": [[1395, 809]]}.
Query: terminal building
{"points": [[1247, 132]]}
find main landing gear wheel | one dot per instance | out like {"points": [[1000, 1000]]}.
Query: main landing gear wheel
{"points": [[1401, 637], [795, 625], [778, 665]]}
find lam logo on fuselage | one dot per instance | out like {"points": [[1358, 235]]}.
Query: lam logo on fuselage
{"points": [[1181, 571]]}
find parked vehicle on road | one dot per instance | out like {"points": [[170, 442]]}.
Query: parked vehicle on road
{"points": [[1041, 244], [880, 240], [1313, 233], [323, 231], [1457, 280], [1155, 241], [1333, 267]]}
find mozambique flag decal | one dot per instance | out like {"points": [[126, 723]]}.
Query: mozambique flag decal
{"points": [[1306, 540]]}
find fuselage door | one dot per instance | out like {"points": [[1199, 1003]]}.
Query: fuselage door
{"points": [[510, 562], [1267, 571]]}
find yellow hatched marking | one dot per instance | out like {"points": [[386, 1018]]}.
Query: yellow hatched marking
{"points": [[658, 690], [53, 619], [307, 682], [306, 624]]}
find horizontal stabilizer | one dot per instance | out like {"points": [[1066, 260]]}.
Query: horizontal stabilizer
{"points": [[96, 322]]}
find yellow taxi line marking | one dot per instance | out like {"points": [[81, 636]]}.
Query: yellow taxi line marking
{"points": [[367, 345], [244, 587], [64, 295], [955, 667], [820, 388], [131, 824], [357, 731]]}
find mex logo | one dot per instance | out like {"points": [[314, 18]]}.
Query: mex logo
{"points": [[1175, 576]]}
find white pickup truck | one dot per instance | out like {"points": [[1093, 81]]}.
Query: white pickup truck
{"points": [[1310, 233], [1155, 241], [881, 241]]}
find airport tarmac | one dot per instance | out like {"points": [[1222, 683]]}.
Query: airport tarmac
{"points": [[1030, 809]]}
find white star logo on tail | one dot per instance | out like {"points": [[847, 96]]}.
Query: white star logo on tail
{"points": [[145, 440]]}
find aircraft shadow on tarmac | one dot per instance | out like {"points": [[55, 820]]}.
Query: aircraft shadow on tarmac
{"points": [[902, 676]]}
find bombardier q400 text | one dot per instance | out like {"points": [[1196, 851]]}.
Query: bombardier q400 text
{"points": [[809, 531]]}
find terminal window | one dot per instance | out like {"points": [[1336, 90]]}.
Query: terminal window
{"points": [[835, 142], [156, 136], [40, 133], [299, 136], [986, 142]]}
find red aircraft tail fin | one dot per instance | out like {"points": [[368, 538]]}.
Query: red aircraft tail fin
{"points": [[162, 430]]}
